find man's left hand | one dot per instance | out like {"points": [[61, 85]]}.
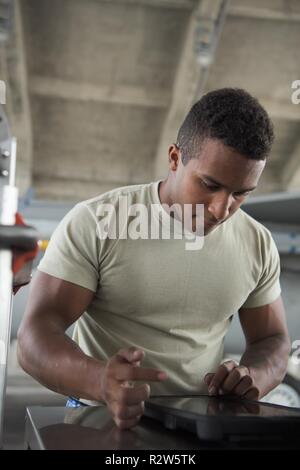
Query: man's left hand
{"points": [[231, 378]]}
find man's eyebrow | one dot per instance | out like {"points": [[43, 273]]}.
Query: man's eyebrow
{"points": [[217, 183]]}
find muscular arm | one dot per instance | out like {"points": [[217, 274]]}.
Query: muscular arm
{"points": [[45, 351], [49, 355], [263, 364], [267, 344]]}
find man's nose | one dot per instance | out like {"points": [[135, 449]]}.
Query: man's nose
{"points": [[219, 206]]}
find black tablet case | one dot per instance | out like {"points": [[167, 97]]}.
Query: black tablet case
{"points": [[235, 419]]}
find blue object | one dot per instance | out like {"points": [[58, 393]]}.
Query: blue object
{"points": [[74, 403]]}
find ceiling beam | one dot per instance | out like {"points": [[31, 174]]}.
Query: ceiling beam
{"points": [[281, 109], [122, 94], [189, 81], [262, 13], [56, 188], [172, 4]]}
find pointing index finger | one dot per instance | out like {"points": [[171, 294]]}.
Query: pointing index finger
{"points": [[131, 373]]}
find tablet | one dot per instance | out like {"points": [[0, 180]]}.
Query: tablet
{"points": [[225, 417]]}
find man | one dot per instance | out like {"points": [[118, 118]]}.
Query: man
{"points": [[150, 311]]}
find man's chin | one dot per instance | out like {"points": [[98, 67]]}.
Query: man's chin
{"points": [[200, 230], [209, 228]]}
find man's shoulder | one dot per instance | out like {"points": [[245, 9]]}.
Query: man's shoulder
{"points": [[246, 226], [244, 220]]}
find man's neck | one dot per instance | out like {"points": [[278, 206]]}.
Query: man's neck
{"points": [[164, 192]]}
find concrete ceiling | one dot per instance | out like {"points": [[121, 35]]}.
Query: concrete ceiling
{"points": [[98, 88]]}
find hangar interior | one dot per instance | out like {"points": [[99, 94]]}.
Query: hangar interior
{"points": [[95, 93]]}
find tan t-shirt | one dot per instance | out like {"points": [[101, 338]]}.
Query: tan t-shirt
{"points": [[174, 303]]}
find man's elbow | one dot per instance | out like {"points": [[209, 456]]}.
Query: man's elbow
{"points": [[20, 347], [23, 347], [286, 346], [285, 349]]}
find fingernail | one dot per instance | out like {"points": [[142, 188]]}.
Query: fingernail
{"points": [[162, 376], [212, 390]]}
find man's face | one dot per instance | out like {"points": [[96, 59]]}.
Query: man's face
{"points": [[220, 178]]}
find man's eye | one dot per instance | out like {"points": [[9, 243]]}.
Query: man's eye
{"points": [[211, 187], [237, 195]]}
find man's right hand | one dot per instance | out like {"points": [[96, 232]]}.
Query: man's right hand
{"points": [[124, 400], [53, 306]]}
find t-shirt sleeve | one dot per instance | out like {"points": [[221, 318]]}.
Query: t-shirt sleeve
{"points": [[268, 287], [72, 253]]}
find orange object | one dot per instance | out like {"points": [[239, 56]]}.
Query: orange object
{"points": [[43, 244], [22, 262]]}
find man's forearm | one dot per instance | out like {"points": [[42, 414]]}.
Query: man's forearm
{"points": [[267, 361], [58, 363]]}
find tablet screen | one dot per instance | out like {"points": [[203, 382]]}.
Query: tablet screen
{"points": [[222, 406]]}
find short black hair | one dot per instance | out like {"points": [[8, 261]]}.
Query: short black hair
{"points": [[231, 115]]}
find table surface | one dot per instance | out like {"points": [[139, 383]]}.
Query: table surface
{"points": [[88, 428]]}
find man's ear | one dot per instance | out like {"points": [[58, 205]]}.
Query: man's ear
{"points": [[174, 157]]}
